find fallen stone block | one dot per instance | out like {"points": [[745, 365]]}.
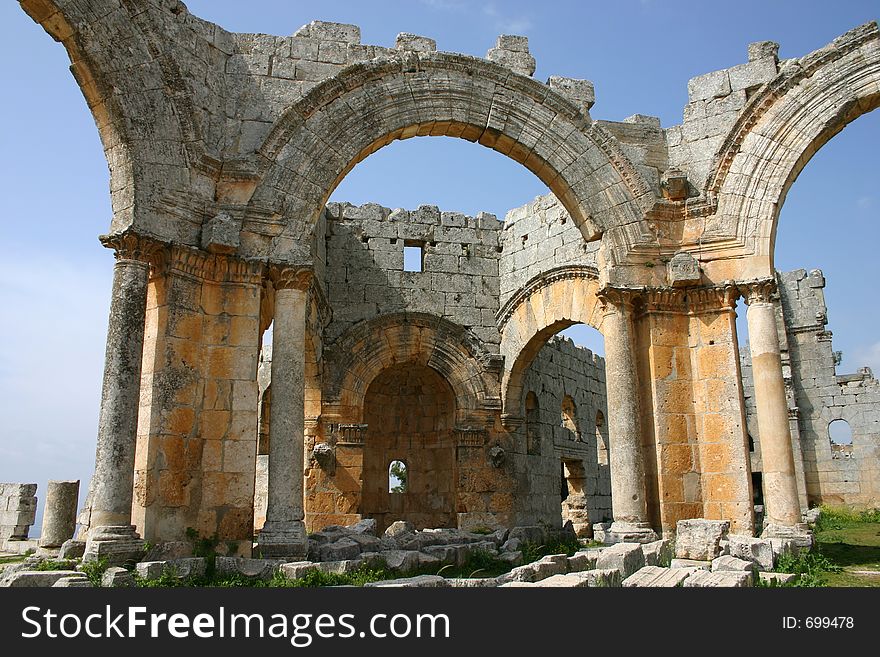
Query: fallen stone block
{"points": [[657, 553], [691, 563], [580, 561], [656, 577], [778, 578], [562, 582], [625, 557], [117, 577], [422, 581], [729, 563], [73, 581], [72, 549], [367, 527], [178, 568], [757, 550], [528, 534], [262, 569], [513, 558], [399, 528], [706, 579], [36, 578], [400, 560], [340, 550], [340, 567], [601, 578], [699, 538], [472, 582], [297, 569]]}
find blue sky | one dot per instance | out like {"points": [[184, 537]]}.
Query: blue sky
{"points": [[55, 277]]}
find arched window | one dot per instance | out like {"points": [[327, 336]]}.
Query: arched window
{"points": [[601, 443], [397, 477], [840, 435], [569, 417]]}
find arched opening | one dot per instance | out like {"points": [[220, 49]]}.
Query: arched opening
{"points": [[409, 410], [841, 438], [569, 418], [397, 477]]}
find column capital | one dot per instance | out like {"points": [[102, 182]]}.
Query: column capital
{"points": [[131, 246], [614, 298], [762, 290], [285, 277]]}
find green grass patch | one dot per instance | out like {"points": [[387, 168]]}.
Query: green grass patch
{"points": [[56, 564], [851, 541], [14, 558]]}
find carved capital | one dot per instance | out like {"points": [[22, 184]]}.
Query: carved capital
{"points": [[759, 291], [291, 278], [219, 268], [618, 298], [348, 434], [131, 246]]}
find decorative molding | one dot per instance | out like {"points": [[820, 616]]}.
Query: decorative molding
{"points": [[539, 282], [684, 301], [470, 437], [217, 268], [348, 434]]}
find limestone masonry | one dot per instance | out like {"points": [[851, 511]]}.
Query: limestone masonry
{"points": [[424, 403]]}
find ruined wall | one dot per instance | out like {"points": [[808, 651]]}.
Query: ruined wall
{"points": [[18, 509], [365, 267], [817, 396], [563, 371], [458, 467], [538, 237]]}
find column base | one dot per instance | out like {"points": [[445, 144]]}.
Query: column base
{"points": [[118, 544], [786, 537], [630, 532], [282, 538]]}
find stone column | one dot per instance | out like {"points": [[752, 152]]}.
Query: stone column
{"points": [[782, 515], [283, 534], [628, 503], [59, 513], [111, 533]]}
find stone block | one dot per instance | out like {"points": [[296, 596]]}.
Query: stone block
{"points": [[421, 581], [257, 568], [117, 577], [72, 549], [221, 234], [706, 579], [658, 553], [343, 549], [472, 582], [414, 43], [690, 563], [59, 513], [73, 581], [528, 534], [763, 50], [779, 578], [400, 560], [36, 578], [178, 568], [581, 561], [327, 31], [683, 269], [625, 557], [581, 92], [297, 569], [516, 60], [710, 85], [758, 551], [726, 563], [601, 578], [655, 576], [699, 538]]}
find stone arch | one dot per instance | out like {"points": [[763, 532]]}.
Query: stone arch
{"points": [[783, 126], [547, 304], [369, 347], [138, 96], [366, 106]]}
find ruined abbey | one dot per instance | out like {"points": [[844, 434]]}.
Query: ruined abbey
{"points": [[224, 149]]}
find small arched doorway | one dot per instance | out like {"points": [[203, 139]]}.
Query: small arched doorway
{"points": [[410, 412]]}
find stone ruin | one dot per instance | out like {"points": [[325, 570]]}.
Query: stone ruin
{"points": [[223, 150]]}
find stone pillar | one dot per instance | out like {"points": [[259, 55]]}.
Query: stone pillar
{"points": [[782, 515], [628, 503], [283, 533], [59, 513], [111, 533]]}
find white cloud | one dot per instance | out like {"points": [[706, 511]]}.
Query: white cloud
{"points": [[506, 24], [865, 202]]}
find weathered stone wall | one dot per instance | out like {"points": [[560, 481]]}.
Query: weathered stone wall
{"points": [[538, 237], [365, 269], [561, 371], [817, 396]]}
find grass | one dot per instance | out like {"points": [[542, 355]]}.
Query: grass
{"points": [[566, 545], [14, 558], [851, 541]]}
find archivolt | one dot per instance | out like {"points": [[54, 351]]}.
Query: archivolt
{"points": [[368, 105]]}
